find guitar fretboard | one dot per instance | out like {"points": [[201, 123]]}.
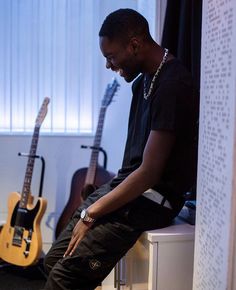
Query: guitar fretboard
{"points": [[29, 169], [90, 177]]}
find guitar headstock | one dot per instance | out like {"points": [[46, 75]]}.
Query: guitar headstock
{"points": [[42, 112], [110, 92]]}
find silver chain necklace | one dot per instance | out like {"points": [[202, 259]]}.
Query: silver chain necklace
{"points": [[146, 94]]}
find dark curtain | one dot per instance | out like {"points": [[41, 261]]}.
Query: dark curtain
{"points": [[182, 36], [182, 33]]}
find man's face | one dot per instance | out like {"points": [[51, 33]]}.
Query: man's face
{"points": [[120, 58]]}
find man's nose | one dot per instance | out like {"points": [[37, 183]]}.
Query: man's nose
{"points": [[108, 64]]}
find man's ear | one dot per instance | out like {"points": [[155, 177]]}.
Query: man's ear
{"points": [[135, 45]]}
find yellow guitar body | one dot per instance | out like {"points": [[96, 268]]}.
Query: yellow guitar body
{"points": [[20, 237]]}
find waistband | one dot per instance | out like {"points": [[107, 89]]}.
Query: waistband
{"points": [[157, 197]]}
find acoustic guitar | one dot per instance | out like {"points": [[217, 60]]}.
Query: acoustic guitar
{"points": [[86, 180], [20, 238]]}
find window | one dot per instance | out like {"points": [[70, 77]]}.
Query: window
{"points": [[41, 55]]}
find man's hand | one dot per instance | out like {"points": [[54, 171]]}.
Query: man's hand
{"points": [[79, 231]]}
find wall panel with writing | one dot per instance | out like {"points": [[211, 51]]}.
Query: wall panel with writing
{"points": [[216, 146]]}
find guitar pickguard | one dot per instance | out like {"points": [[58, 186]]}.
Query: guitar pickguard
{"points": [[25, 218]]}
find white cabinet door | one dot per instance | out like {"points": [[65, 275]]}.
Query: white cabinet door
{"points": [[132, 271], [160, 260], [137, 266]]}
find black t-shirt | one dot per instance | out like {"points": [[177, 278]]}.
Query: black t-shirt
{"points": [[173, 106]]}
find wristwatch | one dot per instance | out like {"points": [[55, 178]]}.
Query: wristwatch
{"points": [[85, 216]]}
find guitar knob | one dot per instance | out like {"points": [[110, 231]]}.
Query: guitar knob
{"points": [[26, 253]]}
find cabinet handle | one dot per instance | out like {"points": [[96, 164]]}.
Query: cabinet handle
{"points": [[122, 271], [119, 274]]}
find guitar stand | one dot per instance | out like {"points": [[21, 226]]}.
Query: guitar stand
{"points": [[35, 271], [42, 169], [99, 149]]}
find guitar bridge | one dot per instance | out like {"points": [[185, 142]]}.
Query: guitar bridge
{"points": [[28, 242]]}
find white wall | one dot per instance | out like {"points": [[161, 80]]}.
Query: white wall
{"points": [[216, 206]]}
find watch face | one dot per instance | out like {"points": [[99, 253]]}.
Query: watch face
{"points": [[83, 214], [85, 217]]}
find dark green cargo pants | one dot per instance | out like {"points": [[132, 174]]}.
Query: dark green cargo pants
{"points": [[104, 244]]}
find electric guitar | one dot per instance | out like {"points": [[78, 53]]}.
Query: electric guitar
{"points": [[86, 180], [20, 238]]}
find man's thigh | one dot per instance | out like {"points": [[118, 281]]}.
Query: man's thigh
{"points": [[102, 247]]}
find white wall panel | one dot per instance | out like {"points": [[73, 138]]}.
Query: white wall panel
{"points": [[215, 223]]}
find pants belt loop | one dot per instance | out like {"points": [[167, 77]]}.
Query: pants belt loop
{"points": [[163, 201]]}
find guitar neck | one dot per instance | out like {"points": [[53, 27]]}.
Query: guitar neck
{"points": [[29, 169], [91, 172]]}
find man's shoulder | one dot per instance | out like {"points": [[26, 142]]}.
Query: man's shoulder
{"points": [[176, 71], [137, 82]]}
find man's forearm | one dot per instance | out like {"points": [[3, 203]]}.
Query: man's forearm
{"points": [[133, 186]]}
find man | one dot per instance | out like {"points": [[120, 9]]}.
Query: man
{"points": [[159, 164]]}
